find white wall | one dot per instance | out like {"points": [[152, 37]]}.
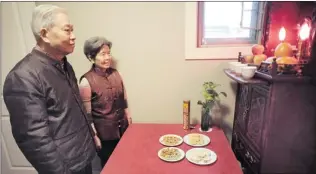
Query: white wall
{"points": [[148, 42], [17, 40]]}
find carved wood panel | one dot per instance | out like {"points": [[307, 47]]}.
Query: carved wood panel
{"points": [[259, 99], [243, 106]]}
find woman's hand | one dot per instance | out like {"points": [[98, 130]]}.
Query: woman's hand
{"points": [[129, 120], [128, 116], [97, 142]]}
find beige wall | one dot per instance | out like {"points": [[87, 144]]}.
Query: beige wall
{"points": [[148, 43]]}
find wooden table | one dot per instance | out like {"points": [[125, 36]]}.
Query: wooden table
{"points": [[137, 151]]}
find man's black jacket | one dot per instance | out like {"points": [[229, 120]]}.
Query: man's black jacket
{"points": [[49, 122]]}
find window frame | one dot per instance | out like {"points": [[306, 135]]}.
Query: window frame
{"points": [[196, 51], [227, 41]]}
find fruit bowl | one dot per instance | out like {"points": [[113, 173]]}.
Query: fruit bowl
{"points": [[248, 72], [232, 66], [238, 67]]}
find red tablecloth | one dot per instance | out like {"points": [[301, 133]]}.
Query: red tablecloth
{"points": [[137, 152]]}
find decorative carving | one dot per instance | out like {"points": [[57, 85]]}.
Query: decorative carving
{"points": [[244, 153], [252, 160], [256, 116], [243, 106]]}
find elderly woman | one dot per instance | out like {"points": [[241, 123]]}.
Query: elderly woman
{"points": [[104, 96]]}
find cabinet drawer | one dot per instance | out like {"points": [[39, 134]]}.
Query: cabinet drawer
{"points": [[249, 159]]}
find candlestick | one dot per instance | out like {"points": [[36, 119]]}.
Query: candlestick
{"points": [[303, 39], [299, 50]]}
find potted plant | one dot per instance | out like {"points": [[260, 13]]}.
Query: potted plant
{"points": [[211, 100]]}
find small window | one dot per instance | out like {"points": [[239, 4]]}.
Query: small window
{"points": [[222, 23]]}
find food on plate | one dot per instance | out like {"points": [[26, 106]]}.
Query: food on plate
{"points": [[201, 157], [286, 60], [270, 59], [196, 139], [170, 140], [283, 60], [259, 58], [257, 49], [170, 153]]}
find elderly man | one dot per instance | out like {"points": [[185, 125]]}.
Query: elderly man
{"points": [[49, 121]]}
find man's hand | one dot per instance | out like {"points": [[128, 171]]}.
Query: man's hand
{"points": [[97, 142]]}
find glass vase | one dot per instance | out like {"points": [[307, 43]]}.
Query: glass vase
{"points": [[205, 119]]}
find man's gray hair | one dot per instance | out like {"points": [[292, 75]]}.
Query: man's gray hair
{"points": [[43, 17]]}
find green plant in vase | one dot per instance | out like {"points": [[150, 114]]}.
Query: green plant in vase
{"points": [[211, 98]]}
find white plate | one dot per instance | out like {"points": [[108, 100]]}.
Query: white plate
{"points": [[180, 140], [201, 156], [205, 140], [179, 157]]}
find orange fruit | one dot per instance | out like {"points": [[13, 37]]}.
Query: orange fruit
{"points": [[259, 58], [284, 49], [257, 49]]}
